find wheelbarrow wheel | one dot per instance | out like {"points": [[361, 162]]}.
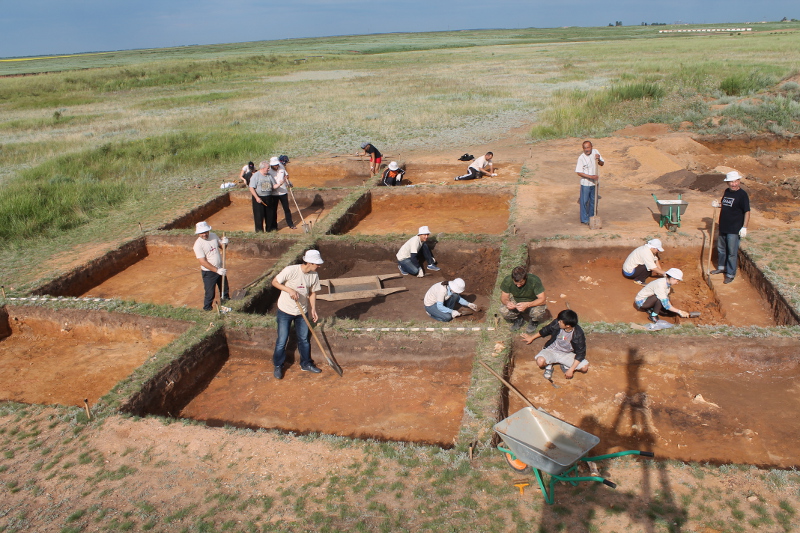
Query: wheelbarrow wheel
{"points": [[516, 465]]}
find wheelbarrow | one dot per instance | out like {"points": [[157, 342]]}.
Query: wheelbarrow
{"points": [[535, 440], [671, 211]]}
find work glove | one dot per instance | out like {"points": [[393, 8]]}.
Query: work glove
{"points": [[684, 314], [474, 307], [715, 203], [222, 271], [455, 314], [224, 241], [494, 174], [743, 233], [420, 274]]}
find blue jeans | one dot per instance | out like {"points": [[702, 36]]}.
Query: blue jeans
{"points": [[301, 331], [728, 253], [411, 265], [587, 202], [434, 311]]}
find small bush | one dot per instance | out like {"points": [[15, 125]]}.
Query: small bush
{"points": [[637, 91], [746, 83]]}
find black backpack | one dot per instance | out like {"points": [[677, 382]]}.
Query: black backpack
{"points": [[466, 157]]}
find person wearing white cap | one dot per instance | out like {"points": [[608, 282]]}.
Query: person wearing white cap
{"points": [[654, 297], [734, 216], [476, 169], [261, 185], [643, 262], [280, 192], [393, 175], [408, 256], [298, 284], [375, 156], [442, 298], [207, 251]]}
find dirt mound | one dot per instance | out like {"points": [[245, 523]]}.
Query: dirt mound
{"points": [[681, 180], [681, 145], [645, 130]]}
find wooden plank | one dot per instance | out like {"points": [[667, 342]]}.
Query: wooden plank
{"points": [[360, 279], [356, 295]]}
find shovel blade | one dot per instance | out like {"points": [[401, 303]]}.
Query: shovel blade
{"points": [[306, 229], [595, 223]]}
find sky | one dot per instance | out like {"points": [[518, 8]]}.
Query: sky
{"points": [[52, 27]]}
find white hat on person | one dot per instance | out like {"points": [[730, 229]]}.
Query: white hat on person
{"points": [[393, 165], [313, 256], [733, 176], [457, 285], [424, 231], [364, 145], [675, 273], [655, 243], [273, 161], [201, 227]]}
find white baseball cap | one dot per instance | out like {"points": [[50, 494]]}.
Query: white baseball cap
{"points": [[457, 285], [655, 243], [364, 145], [201, 227], [675, 273], [393, 165], [312, 256], [733, 176], [274, 161], [424, 231]]}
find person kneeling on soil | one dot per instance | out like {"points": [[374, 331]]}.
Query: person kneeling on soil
{"points": [[522, 294], [442, 298], [476, 169], [654, 297], [393, 175], [298, 284], [207, 251], [566, 347], [408, 256], [643, 262]]}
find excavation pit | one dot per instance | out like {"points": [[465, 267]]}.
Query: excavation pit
{"points": [[703, 399], [589, 279], [163, 269], [345, 171], [234, 212], [475, 263], [443, 174], [401, 210], [397, 387], [65, 356]]}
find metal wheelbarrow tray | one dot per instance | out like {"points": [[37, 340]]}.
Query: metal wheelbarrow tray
{"points": [[671, 211]]}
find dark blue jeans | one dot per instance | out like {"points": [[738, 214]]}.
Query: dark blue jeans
{"points": [[587, 203], [411, 265], [728, 253], [211, 280], [301, 331]]}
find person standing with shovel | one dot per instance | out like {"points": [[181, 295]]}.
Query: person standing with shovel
{"points": [[587, 170], [207, 251], [280, 192]]}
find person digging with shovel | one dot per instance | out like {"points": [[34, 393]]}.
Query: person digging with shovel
{"points": [[280, 192], [298, 284], [566, 346], [586, 169], [442, 298], [207, 251], [654, 297]]}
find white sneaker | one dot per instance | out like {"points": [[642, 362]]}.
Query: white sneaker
{"points": [[420, 274], [548, 372]]}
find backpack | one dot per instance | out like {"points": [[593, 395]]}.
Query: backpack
{"points": [[466, 157]]}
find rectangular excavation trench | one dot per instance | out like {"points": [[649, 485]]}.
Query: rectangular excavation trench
{"points": [[234, 211], [714, 399], [64, 356], [403, 210], [588, 277], [395, 386], [475, 263], [418, 173], [162, 269]]}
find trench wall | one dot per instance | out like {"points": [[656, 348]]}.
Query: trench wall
{"points": [[785, 314]]}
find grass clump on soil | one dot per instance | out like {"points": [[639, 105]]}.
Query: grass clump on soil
{"points": [[743, 83]]}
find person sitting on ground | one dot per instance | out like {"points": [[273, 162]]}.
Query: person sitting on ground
{"points": [[522, 295], [280, 192], [475, 170], [442, 298], [247, 172], [654, 297], [393, 175], [375, 156], [566, 347], [408, 256], [207, 251], [643, 262]]}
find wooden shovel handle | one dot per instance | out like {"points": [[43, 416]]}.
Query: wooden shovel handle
{"points": [[507, 384]]}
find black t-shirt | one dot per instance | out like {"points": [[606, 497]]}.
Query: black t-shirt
{"points": [[734, 205], [373, 151]]}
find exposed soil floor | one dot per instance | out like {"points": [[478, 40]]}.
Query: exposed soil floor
{"points": [[443, 174], [324, 172], [392, 388], [155, 277], [63, 358], [692, 399], [590, 280], [443, 212], [239, 215]]}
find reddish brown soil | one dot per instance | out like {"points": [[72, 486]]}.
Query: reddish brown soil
{"points": [[443, 174], [63, 357], [693, 399], [405, 211], [171, 275], [330, 172], [239, 215], [476, 264], [393, 388], [591, 282]]}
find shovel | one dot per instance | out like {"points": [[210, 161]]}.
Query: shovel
{"points": [[331, 361], [224, 249], [238, 294], [595, 222], [509, 385], [306, 227]]}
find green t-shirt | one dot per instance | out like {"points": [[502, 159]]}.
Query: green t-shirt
{"points": [[526, 293]]}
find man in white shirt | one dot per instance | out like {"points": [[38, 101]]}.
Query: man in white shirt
{"points": [[586, 168], [280, 192], [298, 284], [207, 251], [477, 168], [408, 255], [643, 261], [261, 185]]}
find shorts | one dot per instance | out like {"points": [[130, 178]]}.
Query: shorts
{"points": [[378, 161], [556, 357]]}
